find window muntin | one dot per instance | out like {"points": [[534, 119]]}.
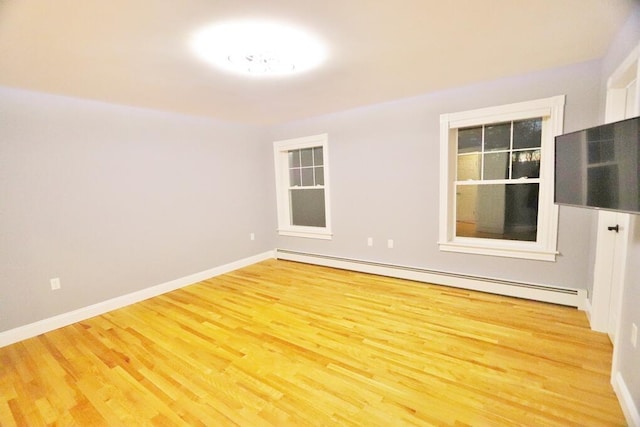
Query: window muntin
{"points": [[497, 174]]}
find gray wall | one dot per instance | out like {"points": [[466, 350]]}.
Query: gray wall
{"points": [[629, 358], [112, 200], [385, 178]]}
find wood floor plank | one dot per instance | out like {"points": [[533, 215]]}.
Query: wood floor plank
{"points": [[281, 343]]}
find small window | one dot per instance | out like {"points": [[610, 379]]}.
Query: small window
{"points": [[302, 187]]}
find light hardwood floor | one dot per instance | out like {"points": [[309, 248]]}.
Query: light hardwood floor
{"points": [[281, 343]]}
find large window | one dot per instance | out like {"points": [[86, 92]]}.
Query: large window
{"points": [[302, 188], [497, 180]]}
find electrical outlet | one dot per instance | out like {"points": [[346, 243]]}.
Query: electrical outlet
{"points": [[390, 244], [634, 335], [252, 236], [55, 283], [369, 241]]}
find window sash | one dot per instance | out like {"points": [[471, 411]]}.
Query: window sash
{"points": [[483, 152], [496, 211], [307, 207]]}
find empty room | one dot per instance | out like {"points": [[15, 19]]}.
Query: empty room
{"points": [[303, 213]]}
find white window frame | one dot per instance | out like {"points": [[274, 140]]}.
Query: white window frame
{"points": [[280, 152], [545, 247]]}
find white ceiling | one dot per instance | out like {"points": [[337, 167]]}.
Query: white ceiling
{"points": [[135, 52]]}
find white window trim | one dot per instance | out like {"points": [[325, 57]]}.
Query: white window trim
{"points": [[545, 249], [280, 150]]}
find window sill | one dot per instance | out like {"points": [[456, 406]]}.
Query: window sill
{"points": [[309, 234], [505, 249]]}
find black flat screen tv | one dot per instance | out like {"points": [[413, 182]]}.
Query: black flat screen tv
{"points": [[599, 167]]}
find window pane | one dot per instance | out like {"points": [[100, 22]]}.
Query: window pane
{"points": [[497, 137], [307, 177], [525, 164], [307, 207], [496, 166], [307, 156], [294, 158], [480, 211], [497, 211], [317, 156], [469, 166], [319, 176], [294, 178], [470, 140], [527, 133], [521, 219]]}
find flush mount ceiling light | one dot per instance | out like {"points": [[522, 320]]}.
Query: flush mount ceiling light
{"points": [[258, 48]]}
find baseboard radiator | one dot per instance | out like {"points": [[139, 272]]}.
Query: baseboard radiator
{"points": [[553, 294]]}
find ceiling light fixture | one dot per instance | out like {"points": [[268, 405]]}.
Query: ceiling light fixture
{"points": [[258, 48]]}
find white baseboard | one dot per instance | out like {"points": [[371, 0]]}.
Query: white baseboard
{"points": [[536, 292], [629, 408], [33, 329], [587, 308]]}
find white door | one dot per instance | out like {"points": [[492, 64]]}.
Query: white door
{"points": [[608, 274], [613, 228]]}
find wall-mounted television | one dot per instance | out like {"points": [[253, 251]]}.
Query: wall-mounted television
{"points": [[599, 167]]}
